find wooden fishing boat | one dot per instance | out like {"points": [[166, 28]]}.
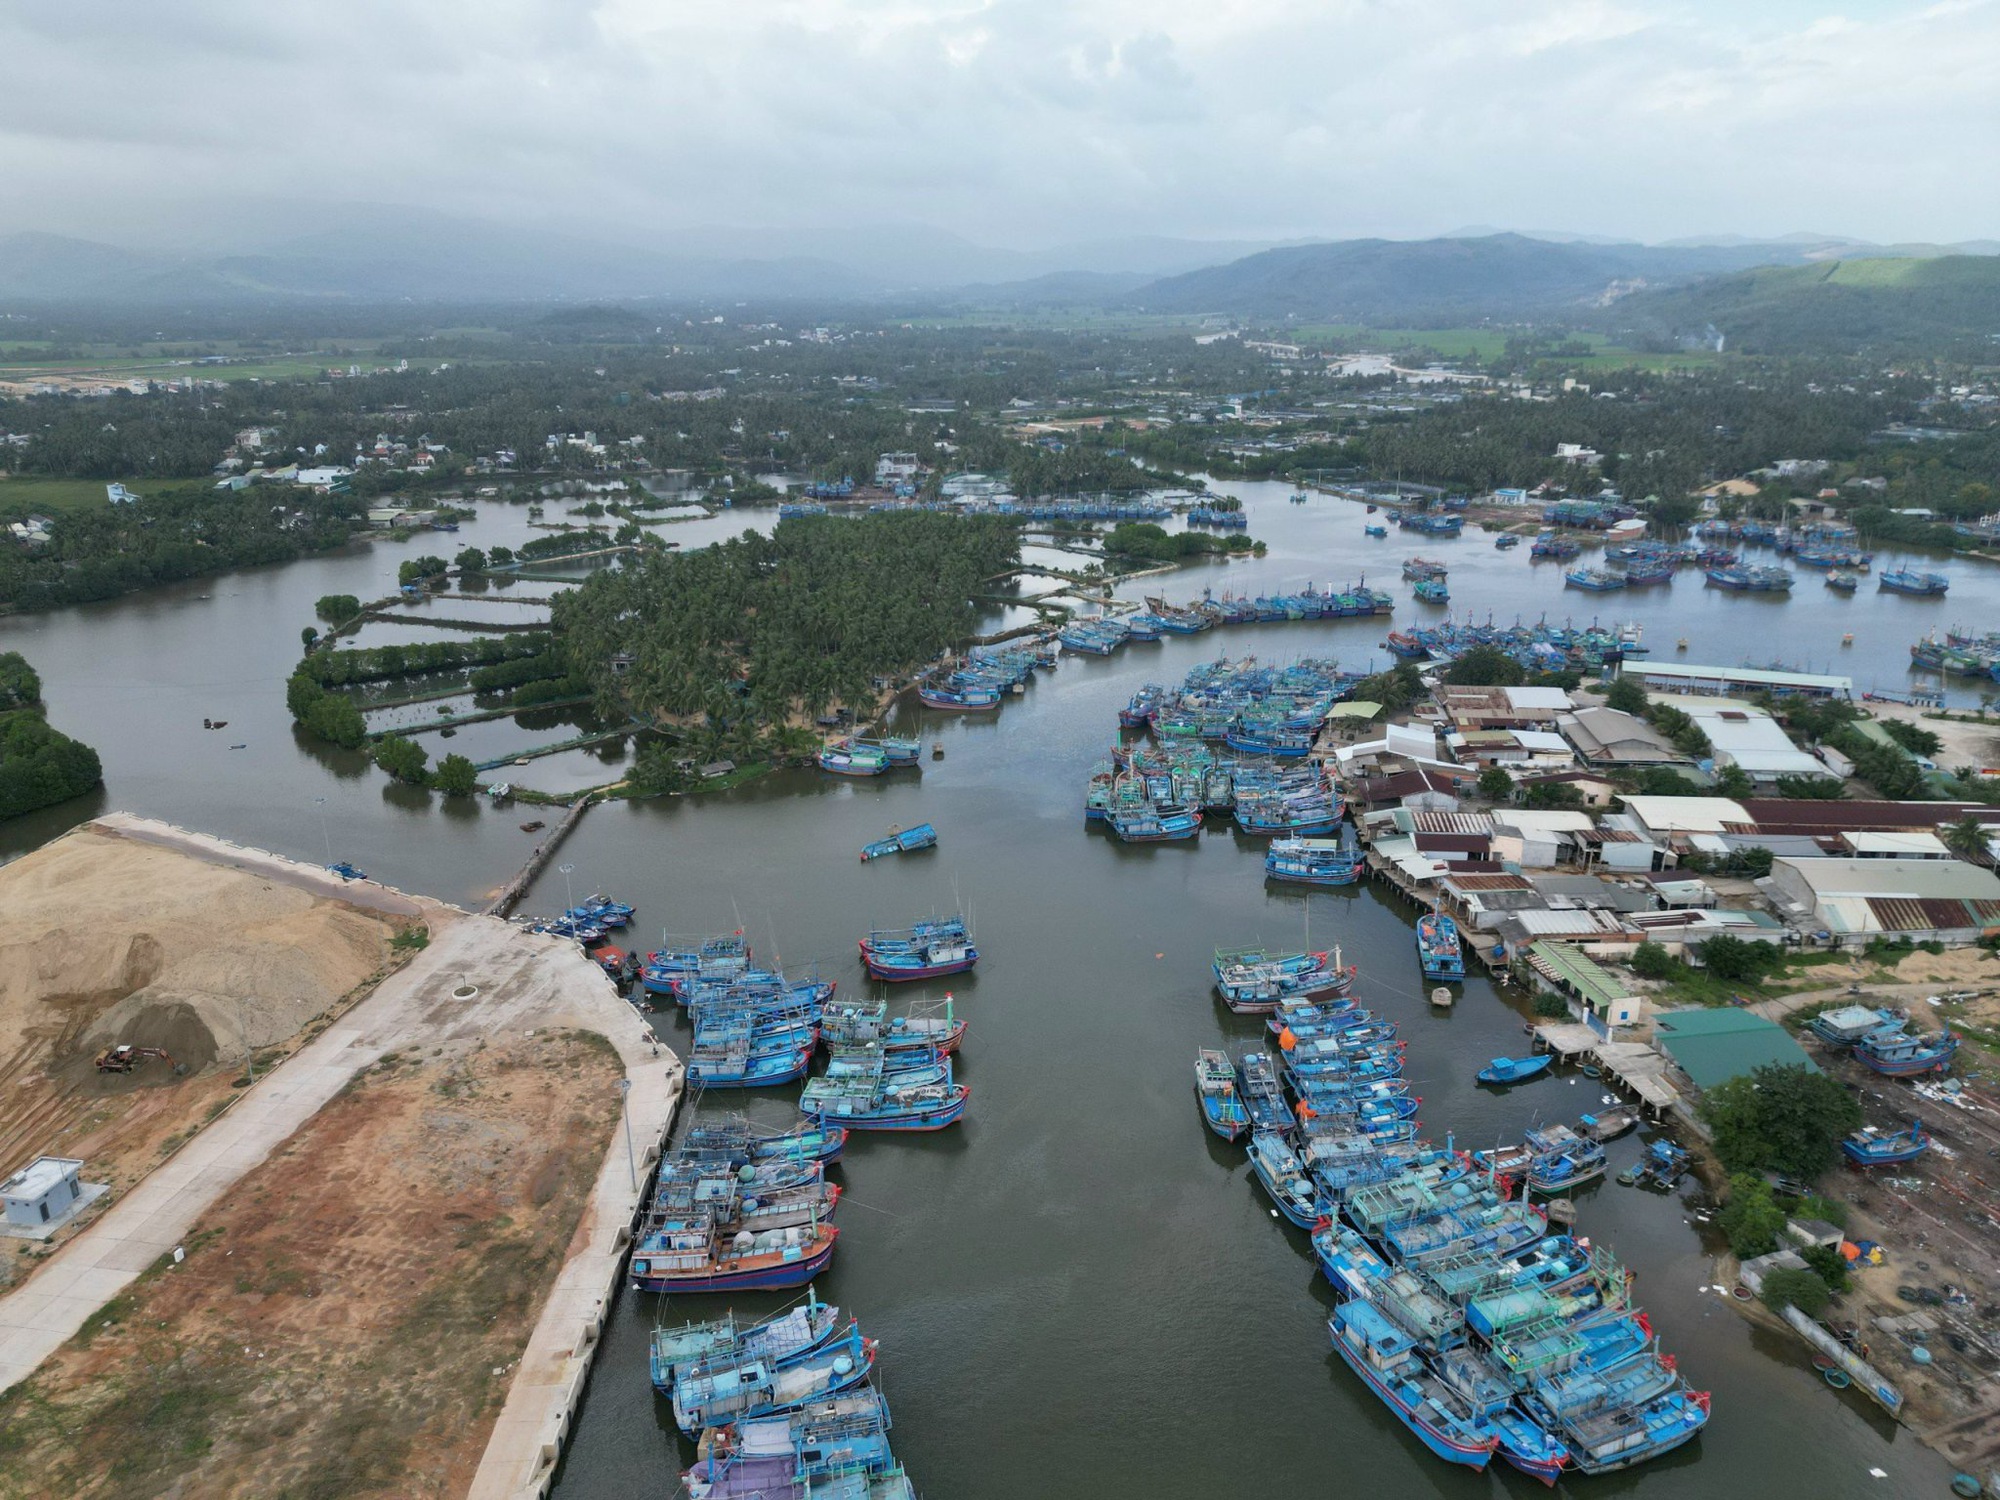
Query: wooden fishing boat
{"points": [[686, 1349], [688, 1253], [1875, 1148], [758, 1386], [901, 841], [1215, 1087], [1438, 948]]}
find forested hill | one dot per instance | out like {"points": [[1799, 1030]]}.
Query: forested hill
{"points": [[1947, 305], [1418, 282], [803, 619]]}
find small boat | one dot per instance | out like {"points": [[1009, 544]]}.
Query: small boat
{"points": [[1922, 585], [1600, 580], [740, 1143], [844, 758], [896, 958], [1661, 1167], [1442, 998], [1515, 1069], [1433, 591], [903, 841], [861, 1091], [1376, 531], [346, 871], [1608, 1124], [1875, 1148], [1312, 861], [1388, 1361], [1503, 543], [1215, 1087], [1284, 1177], [861, 1023], [1147, 824], [611, 960], [1846, 583], [1438, 948], [1896, 1053]]}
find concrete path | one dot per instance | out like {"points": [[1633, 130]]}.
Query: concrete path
{"points": [[522, 981], [1871, 994]]}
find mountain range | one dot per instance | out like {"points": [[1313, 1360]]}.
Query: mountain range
{"points": [[1754, 290]]}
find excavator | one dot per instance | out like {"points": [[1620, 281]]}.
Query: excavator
{"points": [[124, 1057]]}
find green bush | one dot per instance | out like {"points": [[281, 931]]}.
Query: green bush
{"points": [[1651, 961], [402, 758], [1552, 1007], [1627, 695], [1740, 959], [1916, 740], [455, 776], [1804, 1290], [337, 609], [1751, 1218], [40, 767], [1780, 1119], [20, 686], [1828, 1264]]}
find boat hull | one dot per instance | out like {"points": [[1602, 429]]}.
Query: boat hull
{"points": [[1473, 1456], [778, 1276]]}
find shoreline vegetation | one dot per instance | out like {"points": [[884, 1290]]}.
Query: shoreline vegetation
{"points": [[39, 764]]}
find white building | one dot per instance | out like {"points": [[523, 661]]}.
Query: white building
{"points": [[897, 468], [42, 1192], [1942, 900]]}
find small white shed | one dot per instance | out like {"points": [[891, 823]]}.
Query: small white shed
{"points": [[43, 1191]]}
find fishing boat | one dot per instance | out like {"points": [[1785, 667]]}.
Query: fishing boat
{"points": [[842, 758], [1417, 569], [689, 1253], [860, 1091], [738, 1053], [1751, 580], [1215, 1087], [1438, 947], [1283, 1176], [1661, 1167], [1312, 862], [1504, 1070], [1253, 981], [1263, 1096], [756, 1387], [1845, 583], [1563, 1160], [347, 871], [1147, 824], [1375, 531], [837, 1447], [923, 952], [1387, 1360], [1896, 1053], [1609, 1124], [1599, 580], [1433, 591], [863, 1023], [1876, 1148], [902, 841], [684, 1350], [738, 1142], [948, 699], [1550, 545], [1907, 581], [1143, 708], [1506, 541]]}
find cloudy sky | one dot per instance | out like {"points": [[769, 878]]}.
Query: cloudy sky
{"points": [[1014, 122]]}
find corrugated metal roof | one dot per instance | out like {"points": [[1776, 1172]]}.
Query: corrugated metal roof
{"points": [[1908, 914], [1492, 883]]}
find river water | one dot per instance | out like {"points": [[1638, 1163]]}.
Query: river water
{"points": [[1078, 1291]]}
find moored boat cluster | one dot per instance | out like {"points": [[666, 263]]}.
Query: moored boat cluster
{"points": [[781, 1409], [1484, 1333]]}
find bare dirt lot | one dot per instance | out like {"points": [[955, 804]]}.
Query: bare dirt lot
{"points": [[345, 1324], [104, 939]]}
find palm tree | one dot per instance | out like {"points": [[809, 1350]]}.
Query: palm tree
{"points": [[1966, 837]]}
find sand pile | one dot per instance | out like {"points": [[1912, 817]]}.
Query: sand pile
{"points": [[106, 939]]}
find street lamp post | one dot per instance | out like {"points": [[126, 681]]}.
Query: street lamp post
{"points": [[569, 895], [325, 837]]}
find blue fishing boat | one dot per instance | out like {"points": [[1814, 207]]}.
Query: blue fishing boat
{"points": [[777, 1195], [1600, 580], [1504, 1070], [1563, 1160], [1433, 591], [901, 841], [1252, 981], [1843, 582], [686, 1349], [1147, 824], [756, 1387], [346, 871], [1506, 541], [837, 1447], [1376, 531], [1751, 580], [738, 1053], [1143, 708], [1908, 581], [926, 1030], [687, 1252], [1262, 1094], [1387, 1360], [1660, 1167], [738, 1142], [1876, 1148], [1438, 947], [918, 953], [948, 699], [861, 1091], [1312, 862], [1896, 1053], [1215, 1087], [1550, 545], [1284, 1177], [844, 758]]}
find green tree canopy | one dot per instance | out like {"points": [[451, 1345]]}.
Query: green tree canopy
{"points": [[1485, 666], [1627, 695], [455, 776], [1781, 1118]]}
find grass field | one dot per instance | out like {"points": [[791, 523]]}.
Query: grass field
{"points": [[19, 496]]}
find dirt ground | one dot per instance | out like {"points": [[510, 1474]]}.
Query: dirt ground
{"points": [[103, 940], [1939, 1221], [1964, 744], [346, 1324]]}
